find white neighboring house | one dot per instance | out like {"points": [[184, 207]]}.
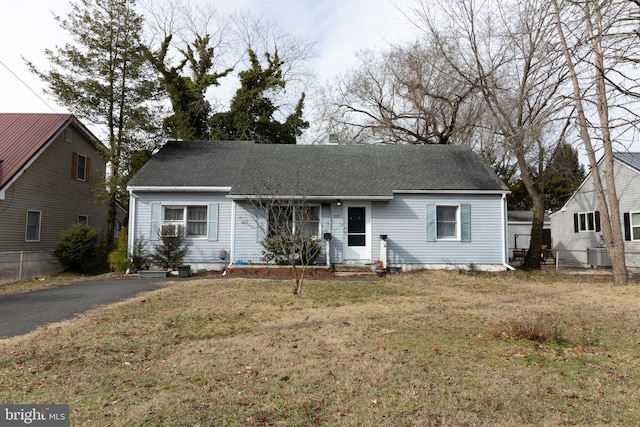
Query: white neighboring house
{"points": [[575, 229]]}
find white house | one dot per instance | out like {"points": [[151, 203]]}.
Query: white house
{"points": [[575, 229]]}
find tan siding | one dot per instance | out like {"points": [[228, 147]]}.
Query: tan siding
{"points": [[47, 186]]}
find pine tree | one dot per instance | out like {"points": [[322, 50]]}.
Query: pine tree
{"points": [[252, 111], [191, 110], [103, 78]]}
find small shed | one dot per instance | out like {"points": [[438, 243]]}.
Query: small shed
{"points": [[519, 230]]}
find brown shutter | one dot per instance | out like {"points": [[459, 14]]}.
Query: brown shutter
{"points": [[87, 167], [74, 165]]}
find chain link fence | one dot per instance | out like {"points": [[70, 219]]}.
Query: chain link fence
{"points": [[26, 265]]}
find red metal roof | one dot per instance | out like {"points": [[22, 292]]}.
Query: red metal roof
{"points": [[21, 136]]}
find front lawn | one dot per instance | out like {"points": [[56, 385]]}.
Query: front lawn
{"points": [[435, 348]]}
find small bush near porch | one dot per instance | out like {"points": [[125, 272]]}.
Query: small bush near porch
{"points": [[436, 348]]}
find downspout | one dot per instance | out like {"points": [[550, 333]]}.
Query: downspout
{"points": [[132, 221], [504, 233], [232, 249]]}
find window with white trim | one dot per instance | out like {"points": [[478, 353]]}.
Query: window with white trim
{"points": [[447, 222], [32, 229], [635, 225], [295, 220], [586, 221], [190, 220]]}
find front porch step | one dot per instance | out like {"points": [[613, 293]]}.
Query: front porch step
{"points": [[350, 270]]}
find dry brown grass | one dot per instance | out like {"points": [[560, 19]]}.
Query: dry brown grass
{"points": [[434, 348]]}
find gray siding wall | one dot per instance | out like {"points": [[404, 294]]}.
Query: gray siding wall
{"points": [[47, 187], [403, 220], [573, 245], [249, 230], [201, 250], [248, 233]]}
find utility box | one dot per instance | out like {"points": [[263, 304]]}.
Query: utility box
{"points": [[184, 271], [598, 258]]}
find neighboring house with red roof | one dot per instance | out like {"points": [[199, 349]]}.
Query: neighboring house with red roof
{"points": [[50, 169]]}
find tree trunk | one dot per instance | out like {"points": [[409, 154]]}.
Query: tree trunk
{"points": [[532, 260], [607, 201]]}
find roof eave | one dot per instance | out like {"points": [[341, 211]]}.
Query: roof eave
{"points": [[307, 197], [179, 189], [496, 191]]}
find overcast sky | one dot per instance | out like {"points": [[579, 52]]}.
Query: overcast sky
{"points": [[339, 27]]}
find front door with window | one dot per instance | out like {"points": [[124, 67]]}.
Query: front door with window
{"points": [[357, 242]]}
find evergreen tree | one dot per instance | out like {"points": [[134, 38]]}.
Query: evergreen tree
{"points": [[564, 174], [251, 115], [102, 78], [191, 110]]}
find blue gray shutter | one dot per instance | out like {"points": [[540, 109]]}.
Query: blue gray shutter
{"points": [[261, 224], [465, 222], [431, 222], [155, 223], [575, 223], [597, 220], [212, 228], [325, 218]]}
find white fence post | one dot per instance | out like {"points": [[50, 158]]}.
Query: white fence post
{"points": [[20, 268]]}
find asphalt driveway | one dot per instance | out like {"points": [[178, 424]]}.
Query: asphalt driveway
{"points": [[25, 312]]}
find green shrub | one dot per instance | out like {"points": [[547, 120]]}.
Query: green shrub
{"points": [[169, 252], [285, 249], [81, 249], [140, 257], [118, 260]]}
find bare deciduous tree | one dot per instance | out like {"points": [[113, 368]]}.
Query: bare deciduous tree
{"points": [[509, 50], [406, 94], [289, 225], [597, 42]]}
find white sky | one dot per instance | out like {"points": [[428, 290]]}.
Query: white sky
{"points": [[339, 27]]}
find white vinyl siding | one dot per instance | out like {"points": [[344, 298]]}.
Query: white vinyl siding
{"points": [[570, 243]]}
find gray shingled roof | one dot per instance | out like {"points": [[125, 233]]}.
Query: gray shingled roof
{"points": [[631, 159], [317, 170]]}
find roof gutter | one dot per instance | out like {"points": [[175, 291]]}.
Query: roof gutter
{"points": [[304, 197], [179, 189], [470, 191]]}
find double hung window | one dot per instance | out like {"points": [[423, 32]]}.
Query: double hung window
{"points": [[189, 221], [32, 232], [294, 220]]}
